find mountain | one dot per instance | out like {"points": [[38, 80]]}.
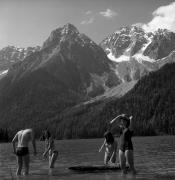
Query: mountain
{"points": [[132, 51], [137, 52], [72, 58], [151, 102], [134, 41], [145, 67], [87, 58], [10, 55], [69, 68], [73, 86]]}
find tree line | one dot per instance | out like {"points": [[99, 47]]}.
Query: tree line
{"points": [[4, 135], [151, 102]]}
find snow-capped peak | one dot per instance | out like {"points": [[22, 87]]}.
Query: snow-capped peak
{"points": [[134, 42]]}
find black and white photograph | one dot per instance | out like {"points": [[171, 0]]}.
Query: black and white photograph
{"points": [[87, 89]]}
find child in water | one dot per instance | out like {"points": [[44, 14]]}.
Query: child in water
{"points": [[50, 149], [111, 148], [126, 146]]}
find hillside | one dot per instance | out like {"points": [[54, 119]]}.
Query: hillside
{"points": [[151, 102]]}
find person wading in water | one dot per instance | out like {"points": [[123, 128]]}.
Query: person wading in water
{"points": [[23, 138], [50, 149]]}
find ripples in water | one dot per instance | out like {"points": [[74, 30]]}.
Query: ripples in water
{"points": [[154, 159]]}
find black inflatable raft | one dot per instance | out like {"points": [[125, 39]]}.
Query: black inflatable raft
{"points": [[94, 168]]}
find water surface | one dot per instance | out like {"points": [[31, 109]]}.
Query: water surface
{"points": [[154, 159]]}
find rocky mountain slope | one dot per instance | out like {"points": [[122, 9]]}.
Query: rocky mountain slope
{"points": [[10, 55], [68, 69], [137, 52], [134, 53], [70, 74], [151, 102]]}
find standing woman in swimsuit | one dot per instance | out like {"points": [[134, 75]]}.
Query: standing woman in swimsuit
{"points": [[50, 149], [126, 146]]}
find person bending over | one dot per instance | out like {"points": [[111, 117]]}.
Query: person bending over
{"points": [[111, 148], [23, 138]]}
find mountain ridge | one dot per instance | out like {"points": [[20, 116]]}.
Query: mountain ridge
{"points": [[150, 102], [11, 54], [136, 52], [62, 73], [69, 70]]}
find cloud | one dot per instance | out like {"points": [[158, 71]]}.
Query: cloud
{"points": [[108, 13], [163, 17], [88, 12], [88, 21]]}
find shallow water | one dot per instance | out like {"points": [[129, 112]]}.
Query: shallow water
{"points": [[154, 159]]}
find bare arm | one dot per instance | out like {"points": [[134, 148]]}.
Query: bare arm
{"points": [[33, 142], [102, 145], [131, 128], [113, 120], [15, 139]]}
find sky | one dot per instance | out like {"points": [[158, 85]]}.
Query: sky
{"points": [[29, 22]]}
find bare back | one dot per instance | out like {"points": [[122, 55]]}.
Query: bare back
{"points": [[24, 137]]}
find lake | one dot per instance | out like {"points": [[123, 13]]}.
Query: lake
{"points": [[154, 159]]}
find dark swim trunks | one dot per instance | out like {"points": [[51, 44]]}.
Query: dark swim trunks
{"points": [[22, 151]]}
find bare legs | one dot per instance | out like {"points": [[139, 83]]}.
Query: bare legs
{"points": [[113, 159], [130, 159], [106, 158], [122, 161], [20, 161], [19, 164], [26, 160], [109, 160], [52, 159], [124, 157]]}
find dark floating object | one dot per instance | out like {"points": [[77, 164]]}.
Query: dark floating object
{"points": [[94, 168]]}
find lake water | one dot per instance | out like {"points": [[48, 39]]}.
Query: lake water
{"points": [[154, 159]]}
